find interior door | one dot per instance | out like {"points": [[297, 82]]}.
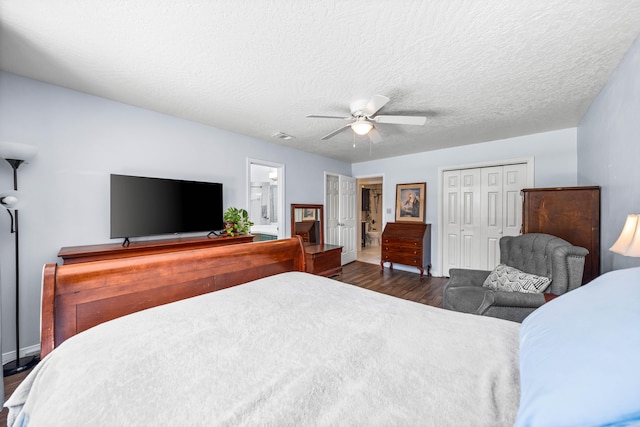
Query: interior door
{"points": [[515, 178], [451, 220], [479, 206], [501, 208], [470, 218], [348, 230], [461, 213], [492, 216], [332, 210]]}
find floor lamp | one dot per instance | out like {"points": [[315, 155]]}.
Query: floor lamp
{"points": [[15, 154]]}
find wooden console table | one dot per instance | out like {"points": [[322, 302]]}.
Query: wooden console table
{"points": [[323, 259], [77, 254]]}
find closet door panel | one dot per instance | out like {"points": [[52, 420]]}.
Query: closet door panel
{"points": [[451, 223], [471, 226], [492, 215], [515, 179], [332, 210], [480, 205]]}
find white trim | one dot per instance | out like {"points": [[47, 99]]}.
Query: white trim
{"points": [[384, 198], [32, 350], [529, 161]]}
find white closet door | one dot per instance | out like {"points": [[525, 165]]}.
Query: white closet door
{"points": [[461, 212], [480, 205], [451, 220], [491, 195], [470, 218], [515, 179]]}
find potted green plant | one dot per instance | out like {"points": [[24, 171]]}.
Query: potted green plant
{"points": [[236, 221]]}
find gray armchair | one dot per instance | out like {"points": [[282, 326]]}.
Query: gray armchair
{"points": [[534, 253]]}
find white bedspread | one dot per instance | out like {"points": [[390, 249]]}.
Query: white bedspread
{"points": [[293, 349]]}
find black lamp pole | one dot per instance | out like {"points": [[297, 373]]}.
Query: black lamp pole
{"points": [[19, 364]]}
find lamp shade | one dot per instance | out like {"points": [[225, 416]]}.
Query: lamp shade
{"points": [[17, 151], [361, 127], [11, 200], [628, 244]]}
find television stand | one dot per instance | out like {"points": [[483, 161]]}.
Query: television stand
{"points": [[78, 254]]}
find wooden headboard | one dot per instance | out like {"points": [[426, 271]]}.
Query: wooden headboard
{"points": [[76, 297]]}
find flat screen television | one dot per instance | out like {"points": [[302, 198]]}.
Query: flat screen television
{"points": [[143, 206]]}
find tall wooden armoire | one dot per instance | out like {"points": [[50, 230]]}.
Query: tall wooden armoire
{"points": [[571, 213]]}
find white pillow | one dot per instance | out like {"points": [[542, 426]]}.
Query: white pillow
{"points": [[510, 279]]}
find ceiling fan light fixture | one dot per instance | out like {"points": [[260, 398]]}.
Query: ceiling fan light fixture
{"points": [[361, 127], [282, 135]]}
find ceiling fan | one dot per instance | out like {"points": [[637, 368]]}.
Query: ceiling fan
{"points": [[363, 118]]}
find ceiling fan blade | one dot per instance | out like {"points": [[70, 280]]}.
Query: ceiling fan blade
{"points": [[375, 103], [401, 120], [335, 132], [375, 136], [319, 116]]}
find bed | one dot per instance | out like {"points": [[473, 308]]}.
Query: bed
{"points": [[285, 348]]}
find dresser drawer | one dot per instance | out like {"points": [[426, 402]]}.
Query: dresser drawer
{"points": [[415, 260], [404, 243], [402, 250]]}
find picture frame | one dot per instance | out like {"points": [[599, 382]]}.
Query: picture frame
{"points": [[411, 202], [308, 214]]}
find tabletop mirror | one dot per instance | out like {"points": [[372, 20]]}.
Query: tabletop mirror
{"points": [[307, 222]]}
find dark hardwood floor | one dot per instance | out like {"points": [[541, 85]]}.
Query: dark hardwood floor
{"points": [[10, 384], [401, 284]]}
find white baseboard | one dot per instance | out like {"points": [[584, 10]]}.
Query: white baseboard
{"points": [[25, 351]]}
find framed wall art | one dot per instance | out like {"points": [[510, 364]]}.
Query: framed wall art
{"points": [[309, 215], [411, 202]]}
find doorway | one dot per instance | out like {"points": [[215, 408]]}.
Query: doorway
{"points": [[370, 208], [265, 202]]}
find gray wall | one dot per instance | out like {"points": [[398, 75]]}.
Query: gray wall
{"points": [[609, 153], [554, 155], [81, 140]]}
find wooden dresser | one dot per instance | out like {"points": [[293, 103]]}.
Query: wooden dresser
{"points": [[323, 259], [407, 244], [76, 254], [571, 213]]}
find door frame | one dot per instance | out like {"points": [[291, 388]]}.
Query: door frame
{"points": [[282, 213], [529, 161], [359, 201]]}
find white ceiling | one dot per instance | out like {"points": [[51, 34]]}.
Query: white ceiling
{"points": [[479, 70]]}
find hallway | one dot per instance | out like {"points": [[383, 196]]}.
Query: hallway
{"points": [[369, 254]]}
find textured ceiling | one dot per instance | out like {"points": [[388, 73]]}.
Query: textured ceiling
{"points": [[479, 70]]}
